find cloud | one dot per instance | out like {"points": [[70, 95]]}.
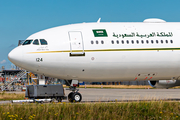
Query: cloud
{"points": [[3, 61]]}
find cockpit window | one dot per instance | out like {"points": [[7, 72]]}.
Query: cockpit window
{"points": [[36, 42], [43, 42], [27, 42]]}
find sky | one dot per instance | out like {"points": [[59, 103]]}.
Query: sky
{"points": [[21, 18]]}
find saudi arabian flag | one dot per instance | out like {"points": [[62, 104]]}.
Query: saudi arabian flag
{"points": [[100, 33]]}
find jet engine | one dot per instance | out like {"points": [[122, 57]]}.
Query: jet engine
{"points": [[164, 83]]}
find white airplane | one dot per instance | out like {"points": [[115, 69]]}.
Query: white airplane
{"points": [[102, 51]]}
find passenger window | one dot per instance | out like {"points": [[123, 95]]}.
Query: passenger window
{"points": [[171, 41], [166, 41], [92, 42], [161, 41], [27, 42], [152, 41], [132, 41], [43, 42], [127, 41], [102, 42], [147, 41], [36, 42], [117, 41], [156, 41], [137, 41], [112, 41], [142, 41], [122, 41], [97, 42]]}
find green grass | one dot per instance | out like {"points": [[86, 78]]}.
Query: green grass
{"points": [[154, 110]]}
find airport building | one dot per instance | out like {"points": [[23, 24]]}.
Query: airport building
{"points": [[25, 78]]}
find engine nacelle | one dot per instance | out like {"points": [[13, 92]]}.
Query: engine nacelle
{"points": [[164, 83]]}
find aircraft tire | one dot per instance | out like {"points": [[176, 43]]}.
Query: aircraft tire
{"points": [[70, 97], [74, 97], [77, 97]]}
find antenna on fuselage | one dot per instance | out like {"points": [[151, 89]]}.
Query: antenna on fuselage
{"points": [[99, 20]]}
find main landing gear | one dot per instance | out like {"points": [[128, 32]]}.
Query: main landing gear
{"points": [[73, 96]]}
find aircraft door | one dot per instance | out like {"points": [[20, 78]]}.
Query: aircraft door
{"points": [[76, 43]]}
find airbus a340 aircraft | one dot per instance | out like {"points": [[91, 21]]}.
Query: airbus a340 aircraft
{"points": [[101, 51]]}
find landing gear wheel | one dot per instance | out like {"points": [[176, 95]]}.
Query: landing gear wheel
{"points": [[77, 97], [70, 97], [74, 97]]}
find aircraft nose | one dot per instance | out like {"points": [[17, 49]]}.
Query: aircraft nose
{"points": [[15, 56]]}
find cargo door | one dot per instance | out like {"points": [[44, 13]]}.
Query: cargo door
{"points": [[76, 43]]}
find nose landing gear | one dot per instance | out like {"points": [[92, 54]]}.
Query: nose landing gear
{"points": [[73, 96]]}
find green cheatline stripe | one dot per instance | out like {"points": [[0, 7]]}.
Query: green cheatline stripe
{"points": [[102, 50]]}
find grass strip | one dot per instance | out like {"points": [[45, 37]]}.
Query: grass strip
{"points": [[153, 110]]}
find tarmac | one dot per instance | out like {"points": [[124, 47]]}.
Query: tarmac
{"points": [[122, 95], [108, 95]]}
